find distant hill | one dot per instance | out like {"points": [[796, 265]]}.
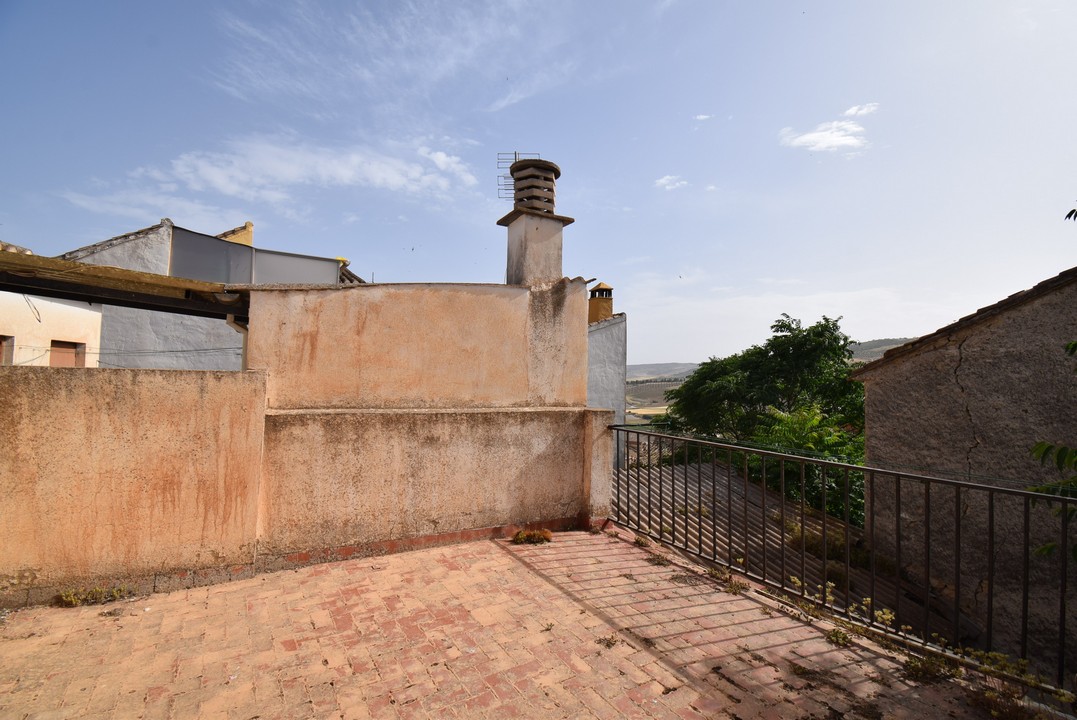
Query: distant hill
{"points": [[874, 349], [862, 352], [661, 370]]}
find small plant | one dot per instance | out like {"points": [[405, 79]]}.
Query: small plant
{"points": [[532, 537], [658, 560], [547, 627], [607, 641], [93, 596], [928, 669], [641, 541], [838, 637], [719, 574], [735, 587], [628, 576]]}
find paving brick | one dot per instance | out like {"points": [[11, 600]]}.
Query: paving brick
{"points": [[482, 629]]}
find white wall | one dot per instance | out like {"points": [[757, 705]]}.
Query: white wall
{"points": [[35, 322]]}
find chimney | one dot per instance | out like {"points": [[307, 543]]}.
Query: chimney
{"points": [[534, 254], [600, 304]]}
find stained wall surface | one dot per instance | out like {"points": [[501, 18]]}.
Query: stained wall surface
{"points": [[421, 346], [350, 477], [120, 473]]}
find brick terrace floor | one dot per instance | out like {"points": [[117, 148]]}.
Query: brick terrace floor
{"points": [[583, 627]]}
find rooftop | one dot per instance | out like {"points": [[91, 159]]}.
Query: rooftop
{"points": [[587, 626]]}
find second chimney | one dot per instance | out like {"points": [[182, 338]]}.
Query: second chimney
{"points": [[534, 253]]}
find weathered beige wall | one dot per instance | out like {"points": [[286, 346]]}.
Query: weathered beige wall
{"points": [[421, 346], [119, 473], [350, 477]]}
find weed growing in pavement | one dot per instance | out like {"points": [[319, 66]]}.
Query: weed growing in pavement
{"points": [[641, 541], [607, 641], [838, 637], [532, 537], [93, 596]]}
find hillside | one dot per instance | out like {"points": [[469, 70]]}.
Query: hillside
{"points": [[661, 370], [874, 349]]}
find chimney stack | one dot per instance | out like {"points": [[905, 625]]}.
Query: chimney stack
{"points": [[600, 304], [534, 255]]}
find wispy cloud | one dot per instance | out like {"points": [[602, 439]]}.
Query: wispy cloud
{"points": [[148, 206], [837, 135], [866, 109], [275, 170], [701, 118], [827, 137], [670, 182], [384, 58]]}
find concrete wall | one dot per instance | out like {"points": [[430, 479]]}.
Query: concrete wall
{"points": [[35, 322], [125, 473], [421, 346], [409, 413], [352, 477], [970, 406]]}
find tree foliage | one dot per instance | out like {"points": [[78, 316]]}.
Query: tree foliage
{"points": [[748, 395]]}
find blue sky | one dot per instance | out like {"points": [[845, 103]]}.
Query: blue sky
{"points": [[897, 164]]}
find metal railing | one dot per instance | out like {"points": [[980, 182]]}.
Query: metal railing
{"points": [[954, 565]]}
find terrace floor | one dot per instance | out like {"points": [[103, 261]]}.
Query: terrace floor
{"points": [[586, 626]]}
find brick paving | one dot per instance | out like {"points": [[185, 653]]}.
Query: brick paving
{"points": [[584, 627]]}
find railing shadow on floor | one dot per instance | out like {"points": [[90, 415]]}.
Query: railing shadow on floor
{"points": [[982, 571]]}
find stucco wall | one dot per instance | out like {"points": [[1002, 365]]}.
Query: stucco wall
{"points": [[351, 477], [421, 346], [35, 322], [607, 369], [120, 473], [970, 406]]}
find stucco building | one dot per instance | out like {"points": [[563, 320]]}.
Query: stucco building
{"points": [[47, 331], [138, 338]]}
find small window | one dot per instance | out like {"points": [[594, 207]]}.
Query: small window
{"points": [[67, 354], [7, 350]]}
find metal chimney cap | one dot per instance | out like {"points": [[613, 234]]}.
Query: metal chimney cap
{"points": [[536, 163]]}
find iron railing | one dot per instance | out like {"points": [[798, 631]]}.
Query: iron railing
{"points": [[954, 565]]}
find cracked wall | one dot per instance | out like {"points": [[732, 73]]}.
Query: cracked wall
{"points": [[970, 406]]}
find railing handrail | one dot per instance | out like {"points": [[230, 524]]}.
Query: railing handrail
{"points": [[877, 471]]}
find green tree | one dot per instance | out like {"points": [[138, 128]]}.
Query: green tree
{"points": [[737, 397]]}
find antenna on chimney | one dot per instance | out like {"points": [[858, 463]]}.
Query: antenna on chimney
{"points": [[506, 189]]}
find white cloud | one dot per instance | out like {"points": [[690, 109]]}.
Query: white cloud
{"points": [[670, 182], [827, 137], [845, 135], [450, 164], [148, 206], [273, 170], [701, 118], [866, 109], [711, 188]]}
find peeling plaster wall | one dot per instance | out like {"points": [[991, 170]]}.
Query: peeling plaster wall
{"points": [[970, 406], [124, 473]]}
